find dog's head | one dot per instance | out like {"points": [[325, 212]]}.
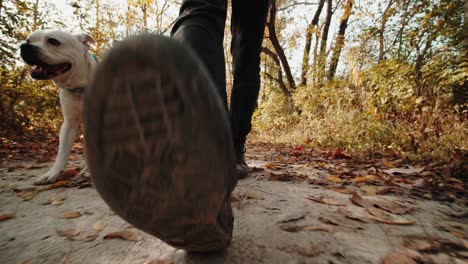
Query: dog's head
{"points": [[56, 55]]}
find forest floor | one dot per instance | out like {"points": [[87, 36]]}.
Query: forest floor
{"points": [[298, 205]]}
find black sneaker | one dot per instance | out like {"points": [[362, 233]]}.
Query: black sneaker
{"points": [[241, 167], [158, 143]]}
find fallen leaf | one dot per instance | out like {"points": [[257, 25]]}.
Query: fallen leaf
{"points": [[397, 257], [293, 217], [125, 234], [383, 218], [53, 186], [7, 216], [369, 189], [364, 178], [297, 228], [68, 233], [70, 173], [335, 179], [327, 220], [323, 200], [430, 244], [387, 205], [280, 177], [408, 170], [338, 154], [55, 201], [27, 196], [318, 228], [272, 166], [253, 195], [462, 214], [353, 216], [341, 190], [98, 226], [388, 189], [70, 214], [358, 200]]}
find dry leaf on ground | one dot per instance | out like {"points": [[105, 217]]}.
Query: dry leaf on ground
{"points": [[364, 178], [69, 214], [408, 170], [70, 173], [389, 189], [323, 200], [280, 177], [125, 234], [335, 179], [399, 257], [297, 228], [7, 216], [387, 205], [293, 217], [341, 190], [53, 186], [272, 166], [383, 218], [328, 220], [98, 226], [353, 216], [68, 233], [27, 196], [430, 244]]}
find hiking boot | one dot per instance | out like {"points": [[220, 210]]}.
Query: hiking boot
{"points": [[241, 167], [158, 143]]}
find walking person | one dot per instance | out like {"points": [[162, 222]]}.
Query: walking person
{"points": [[162, 147]]}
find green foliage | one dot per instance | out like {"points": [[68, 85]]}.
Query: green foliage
{"points": [[25, 104]]}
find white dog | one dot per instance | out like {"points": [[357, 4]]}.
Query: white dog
{"points": [[63, 58]]}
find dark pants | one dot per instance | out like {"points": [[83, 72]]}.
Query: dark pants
{"points": [[201, 26]]}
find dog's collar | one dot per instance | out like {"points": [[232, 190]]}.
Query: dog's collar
{"points": [[77, 90]]}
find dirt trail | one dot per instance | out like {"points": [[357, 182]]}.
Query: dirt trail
{"points": [[297, 206]]}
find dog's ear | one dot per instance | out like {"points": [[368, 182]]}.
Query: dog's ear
{"points": [[86, 40]]}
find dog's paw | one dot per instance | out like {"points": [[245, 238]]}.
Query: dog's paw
{"points": [[49, 177]]}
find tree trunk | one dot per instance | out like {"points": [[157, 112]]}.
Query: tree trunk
{"points": [[144, 10], [277, 46], [315, 62], [323, 45], [308, 43], [385, 16], [340, 39], [278, 79]]}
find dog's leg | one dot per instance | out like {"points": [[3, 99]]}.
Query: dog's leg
{"points": [[67, 136]]}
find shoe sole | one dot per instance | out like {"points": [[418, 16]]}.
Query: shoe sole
{"points": [[158, 143]]}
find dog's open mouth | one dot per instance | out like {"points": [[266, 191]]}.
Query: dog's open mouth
{"points": [[45, 72]]}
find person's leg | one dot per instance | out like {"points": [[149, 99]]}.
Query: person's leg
{"points": [[158, 140], [247, 27], [201, 27]]}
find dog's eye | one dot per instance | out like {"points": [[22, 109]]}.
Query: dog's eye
{"points": [[27, 41], [53, 41]]}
